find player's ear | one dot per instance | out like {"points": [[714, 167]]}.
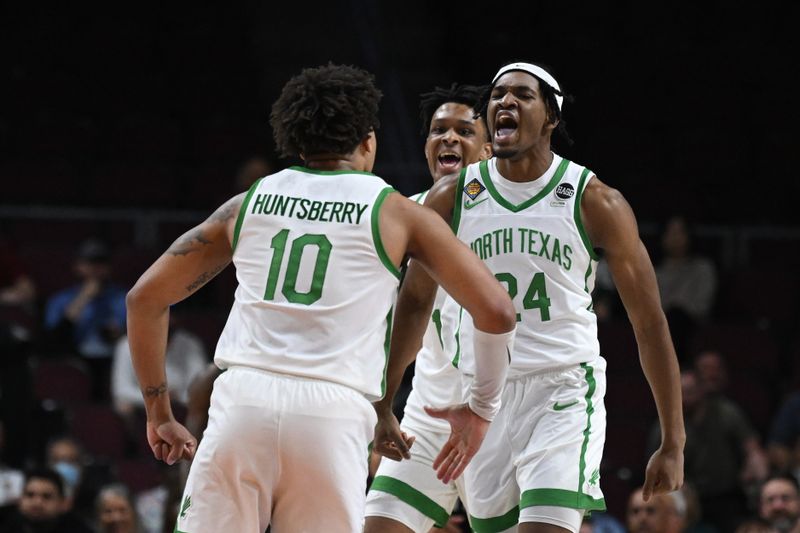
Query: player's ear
{"points": [[369, 144], [486, 151]]}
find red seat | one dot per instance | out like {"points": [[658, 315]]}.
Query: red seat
{"points": [[100, 430], [65, 381]]}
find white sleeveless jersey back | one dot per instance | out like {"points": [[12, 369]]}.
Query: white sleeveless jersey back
{"points": [[531, 237], [316, 288]]}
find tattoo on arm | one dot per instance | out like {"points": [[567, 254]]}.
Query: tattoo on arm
{"points": [[204, 278], [186, 244], [152, 392]]}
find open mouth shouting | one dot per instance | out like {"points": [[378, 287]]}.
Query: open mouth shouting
{"points": [[505, 126], [449, 162]]}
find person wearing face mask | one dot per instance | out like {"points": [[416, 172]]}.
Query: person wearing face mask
{"points": [[65, 456]]}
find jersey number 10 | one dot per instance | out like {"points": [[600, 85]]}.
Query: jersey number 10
{"points": [[299, 245]]}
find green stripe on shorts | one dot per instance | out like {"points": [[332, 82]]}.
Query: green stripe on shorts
{"points": [[496, 523], [412, 497], [561, 498]]}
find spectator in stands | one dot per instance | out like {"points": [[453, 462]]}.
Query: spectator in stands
{"points": [[42, 507], [779, 504], [754, 526], [601, 523], [89, 316], [712, 372], [65, 456], [115, 512], [186, 357], [687, 283], [784, 438], [722, 452], [662, 513], [11, 482]]}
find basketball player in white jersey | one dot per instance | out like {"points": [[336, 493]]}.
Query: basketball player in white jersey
{"points": [[405, 495], [536, 220], [317, 251]]}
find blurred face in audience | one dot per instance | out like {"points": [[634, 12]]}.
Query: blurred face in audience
{"points": [[658, 515], [41, 501], [675, 240], [780, 504], [711, 371], [115, 514], [691, 390]]}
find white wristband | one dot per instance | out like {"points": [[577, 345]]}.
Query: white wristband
{"points": [[492, 357]]}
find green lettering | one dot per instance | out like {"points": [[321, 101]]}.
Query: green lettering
{"points": [[531, 241], [258, 205], [349, 207], [487, 244], [304, 202], [522, 239], [361, 209], [294, 202], [280, 205], [556, 252], [507, 244], [337, 211], [545, 240], [567, 259], [313, 213], [325, 208]]}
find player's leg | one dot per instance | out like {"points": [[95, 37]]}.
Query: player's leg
{"points": [[228, 488], [324, 446], [406, 496], [491, 495], [558, 450]]}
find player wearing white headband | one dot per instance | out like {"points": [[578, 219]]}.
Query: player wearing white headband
{"points": [[538, 220]]}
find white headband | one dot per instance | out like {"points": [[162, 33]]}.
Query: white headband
{"points": [[534, 70]]}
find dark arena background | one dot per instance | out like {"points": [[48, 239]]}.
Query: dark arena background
{"points": [[120, 128]]}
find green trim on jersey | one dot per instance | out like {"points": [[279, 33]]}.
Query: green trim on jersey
{"points": [[578, 222], [436, 318], [416, 499], [561, 498], [240, 219], [586, 433], [457, 357], [376, 232], [419, 197], [496, 523], [462, 177], [487, 180], [329, 172], [387, 342]]}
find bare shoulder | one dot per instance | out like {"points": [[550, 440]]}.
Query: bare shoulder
{"points": [[229, 210], [606, 214], [442, 196], [217, 227]]}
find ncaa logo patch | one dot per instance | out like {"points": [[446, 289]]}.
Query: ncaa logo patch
{"points": [[473, 189], [565, 191]]}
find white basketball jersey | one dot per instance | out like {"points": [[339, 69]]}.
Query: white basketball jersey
{"points": [[316, 288], [437, 382], [531, 237]]}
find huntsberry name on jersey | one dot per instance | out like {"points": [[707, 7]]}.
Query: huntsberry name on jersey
{"points": [[305, 209], [523, 240]]}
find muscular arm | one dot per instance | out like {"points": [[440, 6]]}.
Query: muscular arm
{"points": [[415, 300], [191, 261], [612, 226]]}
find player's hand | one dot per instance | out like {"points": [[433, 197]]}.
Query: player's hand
{"points": [[170, 441], [390, 441], [467, 431], [664, 473]]}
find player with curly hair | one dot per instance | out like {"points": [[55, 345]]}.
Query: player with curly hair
{"points": [[317, 250]]}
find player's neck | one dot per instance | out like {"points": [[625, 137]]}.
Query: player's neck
{"points": [[527, 166], [333, 162]]}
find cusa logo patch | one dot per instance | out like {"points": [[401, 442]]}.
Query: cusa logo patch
{"points": [[565, 191], [473, 189]]}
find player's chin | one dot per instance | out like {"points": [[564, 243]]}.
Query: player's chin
{"points": [[504, 152]]}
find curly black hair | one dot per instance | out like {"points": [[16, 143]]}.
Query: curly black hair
{"points": [[327, 109], [548, 93], [469, 95]]}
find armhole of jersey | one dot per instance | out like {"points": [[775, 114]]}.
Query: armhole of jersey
{"points": [[457, 202], [242, 210], [578, 222], [376, 232]]}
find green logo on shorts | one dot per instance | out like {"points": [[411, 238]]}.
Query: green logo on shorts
{"points": [[187, 502], [595, 477], [561, 406]]}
